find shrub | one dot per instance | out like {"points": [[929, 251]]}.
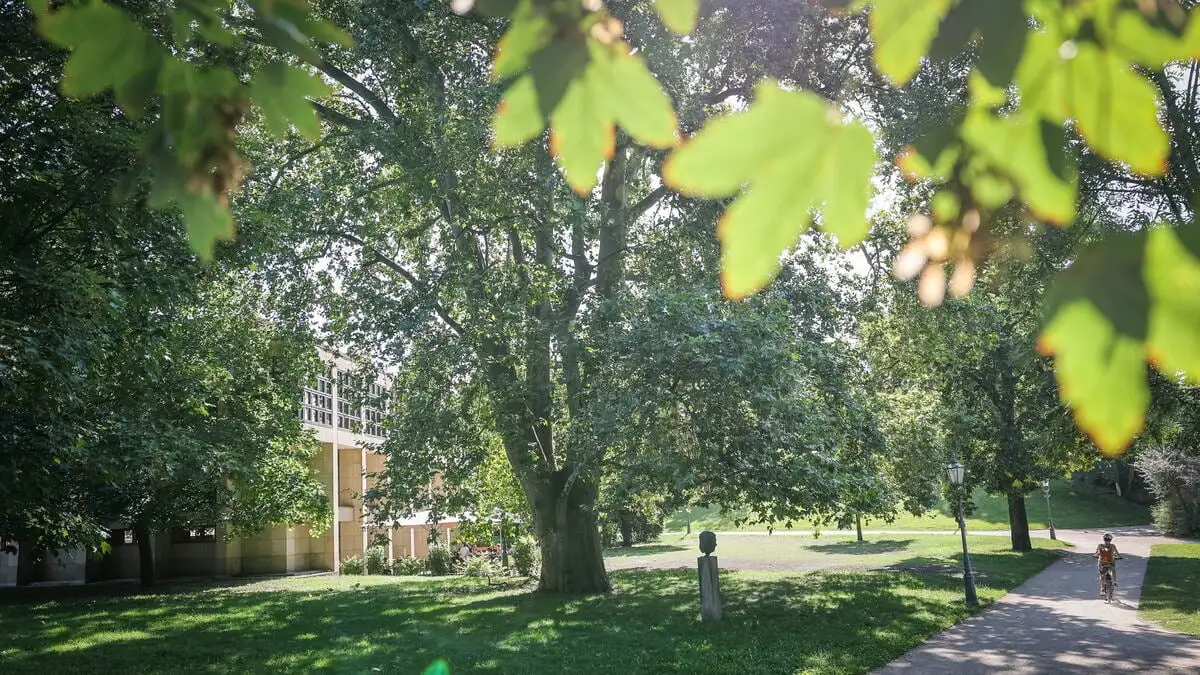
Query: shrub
{"points": [[353, 565], [526, 557], [408, 566], [376, 561], [629, 527], [1174, 479], [479, 566], [441, 561]]}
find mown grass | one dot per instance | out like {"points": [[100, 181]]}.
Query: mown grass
{"points": [[758, 552], [1171, 591], [1075, 506], [825, 622]]}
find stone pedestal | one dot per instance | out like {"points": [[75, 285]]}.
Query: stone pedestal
{"points": [[710, 589]]}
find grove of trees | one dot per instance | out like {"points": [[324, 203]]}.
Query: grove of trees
{"points": [[513, 202]]}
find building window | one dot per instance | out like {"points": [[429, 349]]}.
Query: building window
{"points": [[121, 537], [193, 536]]}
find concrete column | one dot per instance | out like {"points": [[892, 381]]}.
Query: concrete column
{"points": [[362, 503], [391, 545], [335, 499], [412, 541], [289, 550], [220, 566]]}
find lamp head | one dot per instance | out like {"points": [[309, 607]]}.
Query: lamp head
{"points": [[956, 472]]}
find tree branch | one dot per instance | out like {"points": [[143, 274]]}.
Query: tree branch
{"points": [[343, 78], [411, 278], [334, 117]]}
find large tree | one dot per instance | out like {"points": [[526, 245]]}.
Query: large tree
{"points": [[1000, 412], [492, 285]]}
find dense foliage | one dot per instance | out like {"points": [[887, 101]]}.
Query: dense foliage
{"points": [[561, 346], [137, 386]]}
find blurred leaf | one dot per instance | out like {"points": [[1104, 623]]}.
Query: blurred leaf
{"points": [[793, 153], [678, 15], [107, 47], [641, 107], [439, 667], [518, 117], [280, 91], [495, 7], [207, 221], [1097, 316], [1117, 110], [1114, 108], [585, 89], [1153, 43], [583, 134], [902, 31], [1022, 147], [528, 34], [1172, 276]]}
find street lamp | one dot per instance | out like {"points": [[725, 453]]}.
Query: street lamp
{"points": [[956, 473], [1049, 513]]}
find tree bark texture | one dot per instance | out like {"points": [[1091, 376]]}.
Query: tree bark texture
{"points": [[146, 570], [569, 535], [1018, 522]]}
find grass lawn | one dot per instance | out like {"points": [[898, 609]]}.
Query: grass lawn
{"points": [[1075, 506], [756, 552], [825, 622], [1171, 591]]}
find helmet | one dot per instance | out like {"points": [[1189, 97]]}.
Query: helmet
{"points": [[1108, 536]]}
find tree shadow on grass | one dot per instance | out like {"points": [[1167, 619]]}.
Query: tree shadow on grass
{"points": [[823, 622], [1171, 583], [643, 550], [852, 547]]}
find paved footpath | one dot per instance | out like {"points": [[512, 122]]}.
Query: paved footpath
{"points": [[1056, 623]]}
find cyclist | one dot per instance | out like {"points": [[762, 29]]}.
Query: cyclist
{"points": [[1106, 554]]}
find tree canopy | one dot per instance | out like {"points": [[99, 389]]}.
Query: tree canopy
{"points": [[513, 201]]}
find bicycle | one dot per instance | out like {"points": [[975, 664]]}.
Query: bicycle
{"points": [[1107, 583]]}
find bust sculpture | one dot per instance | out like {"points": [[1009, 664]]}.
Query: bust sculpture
{"points": [[708, 542]]}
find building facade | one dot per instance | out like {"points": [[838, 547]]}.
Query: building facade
{"points": [[346, 417]]}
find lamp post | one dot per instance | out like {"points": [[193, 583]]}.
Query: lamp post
{"points": [[1049, 513], [956, 473]]}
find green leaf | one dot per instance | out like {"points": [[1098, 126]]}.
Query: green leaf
{"points": [[280, 91], [207, 220], [583, 135], [793, 153], [1172, 276], [902, 31], [496, 8], [1097, 321], [678, 15], [1117, 110], [1023, 147], [439, 667], [1000, 28], [518, 117], [1152, 44], [529, 33], [641, 107], [98, 35]]}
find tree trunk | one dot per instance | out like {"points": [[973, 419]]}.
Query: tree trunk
{"points": [[858, 526], [572, 554], [626, 525], [1018, 523], [145, 545]]}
